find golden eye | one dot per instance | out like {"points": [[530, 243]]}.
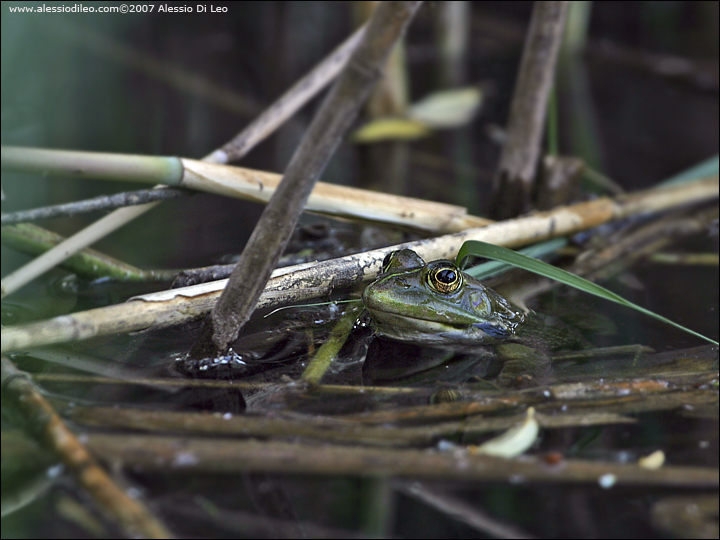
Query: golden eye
{"points": [[444, 277]]}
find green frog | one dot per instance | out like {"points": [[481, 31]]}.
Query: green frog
{"points": [[415, 306]]}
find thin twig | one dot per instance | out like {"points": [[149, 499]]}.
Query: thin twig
{"points": [[291, 101], [460, 510], [278, 220], [96, 204], [622, 250], [168, 308], [176, 76], [245, 524], [50, 430], [688, 259]]}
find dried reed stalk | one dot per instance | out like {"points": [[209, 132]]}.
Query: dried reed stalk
{"points": [[173, 307]]}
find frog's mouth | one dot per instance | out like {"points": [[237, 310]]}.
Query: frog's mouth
{"points": [[433, 332], [387, 320]]}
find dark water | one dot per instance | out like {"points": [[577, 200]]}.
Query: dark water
{"points": [[59, 94]]}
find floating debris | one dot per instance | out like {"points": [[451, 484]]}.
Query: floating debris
{"points": [[514, 441]]}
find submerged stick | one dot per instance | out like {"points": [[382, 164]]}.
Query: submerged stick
{"points": [[163, 453], [321, 428], [33, 240], [168, 308], [324, 356], [456, 508], [49, 429], [70, 247]]}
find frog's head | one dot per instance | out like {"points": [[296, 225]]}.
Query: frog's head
{"points": [[436, 304]]}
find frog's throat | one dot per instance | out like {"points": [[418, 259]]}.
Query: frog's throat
{"points": [[392, 323]]}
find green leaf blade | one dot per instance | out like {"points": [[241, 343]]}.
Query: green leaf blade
{"points": [[483, 249]]}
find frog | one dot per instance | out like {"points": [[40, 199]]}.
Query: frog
{"points": [[430, 314]]}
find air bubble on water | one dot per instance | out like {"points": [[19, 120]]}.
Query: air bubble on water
{"points": [[54, 471], [607, 481], [185, 459]]}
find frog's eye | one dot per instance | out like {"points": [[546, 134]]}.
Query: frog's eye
{"points": [[444, 277]]}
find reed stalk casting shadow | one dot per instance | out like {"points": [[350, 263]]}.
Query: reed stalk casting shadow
{"points": [[278, 220]]}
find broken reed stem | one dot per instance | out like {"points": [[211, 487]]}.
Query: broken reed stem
{"points": [[452, 39], [515, 176], [48, 428], [168, 308], [386, 164], [274, 228], [249, 184]]}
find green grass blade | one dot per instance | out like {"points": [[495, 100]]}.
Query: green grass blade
{"points": [[706, 168], [537, 251], [491, 251]]}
